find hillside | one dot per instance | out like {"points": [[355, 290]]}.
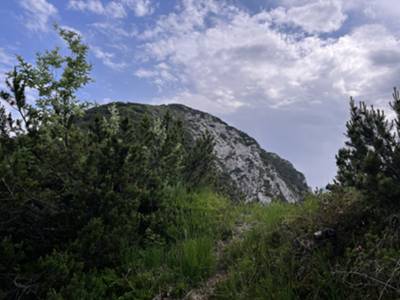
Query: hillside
{"points": [[253, 173], [131, 201]]}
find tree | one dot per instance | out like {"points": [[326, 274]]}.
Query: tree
{"points": [[75, 199], [28, 121], [370, 159], [200, 161], [38, 162]]}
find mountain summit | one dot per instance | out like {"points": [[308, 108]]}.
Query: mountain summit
{"points": [[253, 173]]}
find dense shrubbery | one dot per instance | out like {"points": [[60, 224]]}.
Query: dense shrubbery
{"points": [[78, 204]]}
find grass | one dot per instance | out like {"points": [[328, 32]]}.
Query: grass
{"points": [[281, 259], [275, 257], [255, 262], [194, 259], [195, 222], [201, 219]]}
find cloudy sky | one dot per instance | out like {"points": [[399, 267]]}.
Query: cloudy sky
{"points": [[280, 70]]}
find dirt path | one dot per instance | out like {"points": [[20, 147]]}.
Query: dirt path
{"points": [[208, 287]]}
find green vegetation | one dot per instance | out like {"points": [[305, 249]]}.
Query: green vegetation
{"points": [[293, 178], [95, 205], [107, 210], [342, 244], [334, 246], [370, 161]]}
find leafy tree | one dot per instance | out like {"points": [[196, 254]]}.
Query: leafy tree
{"points": [[37, 159], [16, 99]]}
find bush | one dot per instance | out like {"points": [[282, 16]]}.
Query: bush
{"points": [[78, 201]]}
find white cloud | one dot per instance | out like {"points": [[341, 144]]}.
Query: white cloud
{"points": [[378, 11], [5, 58], [112, 9], [94, 6], [145, 73], [116, 10], [383, 11], [38, 13], [244, 60], [141, 8], [161, 75], [313, 17], [108, 59], [6, 62], [191, 17], [114, 30]]}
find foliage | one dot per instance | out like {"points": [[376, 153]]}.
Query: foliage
{"points": [[342, 244], [199, 164], [283, 258], [78, 204], [371, 159]]}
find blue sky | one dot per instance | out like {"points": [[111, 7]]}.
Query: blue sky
{"points": [[280, 70]]}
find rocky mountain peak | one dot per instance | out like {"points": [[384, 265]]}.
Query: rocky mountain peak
{"points": [[255, 174]]}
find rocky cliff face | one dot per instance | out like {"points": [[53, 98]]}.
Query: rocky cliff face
{"points": [[255, 174]]}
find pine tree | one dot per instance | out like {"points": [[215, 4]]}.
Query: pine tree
{"points": [[200, 162], [369, 161]]}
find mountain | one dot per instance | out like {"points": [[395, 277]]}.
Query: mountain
{"points": [[251, 173]]}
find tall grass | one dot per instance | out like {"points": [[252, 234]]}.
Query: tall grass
{"points": [[266, 262], [194, 259], [261, 265], [194, 221]]}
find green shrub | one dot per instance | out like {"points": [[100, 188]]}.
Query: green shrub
{"points": [[96, 210]]}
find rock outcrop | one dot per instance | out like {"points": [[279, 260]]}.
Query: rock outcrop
{"points": [[255, 174]]}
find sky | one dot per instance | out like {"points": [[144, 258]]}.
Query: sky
{"points": [[282, 70]]}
